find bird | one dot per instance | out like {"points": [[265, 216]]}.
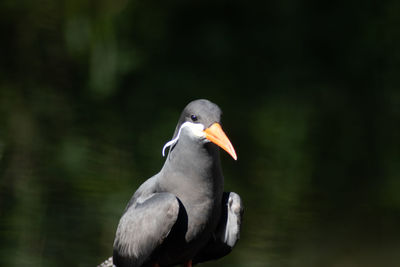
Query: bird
{"points": [[181, 215]]}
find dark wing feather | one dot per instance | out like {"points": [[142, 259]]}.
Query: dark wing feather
{"points": [[228, 231], [143, 227]]}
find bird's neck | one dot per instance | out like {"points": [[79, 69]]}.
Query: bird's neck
{"points": [[194, 168]]}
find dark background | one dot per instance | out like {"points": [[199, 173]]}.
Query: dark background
{"points": [[90, 91]]}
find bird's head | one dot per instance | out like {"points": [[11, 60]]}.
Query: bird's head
{"points": [[200, 119]]}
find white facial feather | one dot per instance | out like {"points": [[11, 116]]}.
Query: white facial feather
{"points": [[196, 129]]}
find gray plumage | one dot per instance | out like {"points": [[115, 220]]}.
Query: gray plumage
{"points": [[107, 263], [227, 232], [146, 225], [181, 213]]}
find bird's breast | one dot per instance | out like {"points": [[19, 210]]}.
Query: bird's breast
{"points": [[202, 218], [201, 200]]}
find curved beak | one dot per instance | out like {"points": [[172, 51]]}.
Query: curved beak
{"points": [[215, 134]]}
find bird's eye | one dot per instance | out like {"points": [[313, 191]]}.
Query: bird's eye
{"points": [[193, 117]]}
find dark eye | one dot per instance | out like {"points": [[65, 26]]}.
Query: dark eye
{"points": [[193, 117]]}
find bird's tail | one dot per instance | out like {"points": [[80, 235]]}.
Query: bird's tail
{"points": [[107, 263]]}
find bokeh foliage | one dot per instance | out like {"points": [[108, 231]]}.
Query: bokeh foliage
{"points": [[91, 90]]}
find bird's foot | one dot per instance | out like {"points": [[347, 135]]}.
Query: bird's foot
{"points": [[188, 263]]}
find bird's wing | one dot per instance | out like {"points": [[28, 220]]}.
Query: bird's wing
{"points": [[143, 227], [228, 231]]}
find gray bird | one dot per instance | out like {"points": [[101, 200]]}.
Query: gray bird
{"points": [[181, 215]]}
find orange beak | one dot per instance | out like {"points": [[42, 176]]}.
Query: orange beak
{"points": [[215, 134]]}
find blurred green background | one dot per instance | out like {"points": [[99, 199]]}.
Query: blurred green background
{"points": [[90, 91]]}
